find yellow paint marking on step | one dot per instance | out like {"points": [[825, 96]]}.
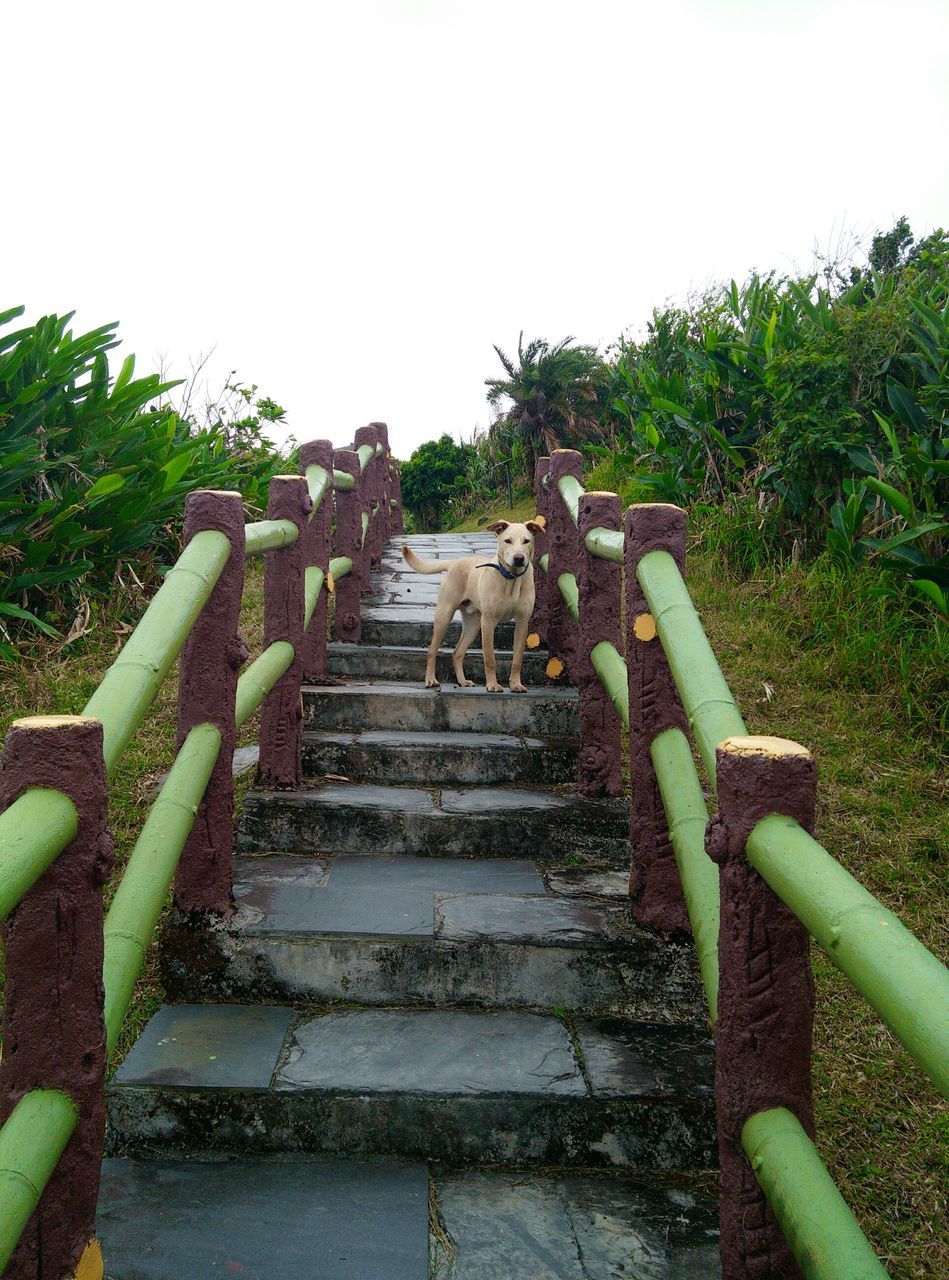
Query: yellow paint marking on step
{"points": [[644, 627], [533, 640], [90, 1264]]}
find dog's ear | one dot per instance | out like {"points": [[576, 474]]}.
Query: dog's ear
{"points": [[499, 526], [536, 526]]}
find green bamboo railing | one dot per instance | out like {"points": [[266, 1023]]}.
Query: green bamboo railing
{"points": [[366, 453], [260, 677], [268, 535], [820, 1229], [889, 966], [32, 1140], [610, 666], [571, 490], [317, 482], [340, 566], [343, 481], [33, 833], [567, 583], [608, 544]]}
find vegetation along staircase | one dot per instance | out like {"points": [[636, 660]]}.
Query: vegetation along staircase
{"points": [[421, 1020]]}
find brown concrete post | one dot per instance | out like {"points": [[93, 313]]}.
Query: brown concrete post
{"points": [[385, 509], [541, 548], [53, 1027], [600, 592], [316, 544], [765, 993], [207, 689], [654, 705], [281, 717], [395, 501], [371, 496], [564, 557], [347, 625]]}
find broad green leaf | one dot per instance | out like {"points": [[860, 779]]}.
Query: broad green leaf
{"points": [[14, 611], [175, 469], [905, 407], [901, 505], [926, 587], [887, 429], [105, 485]]}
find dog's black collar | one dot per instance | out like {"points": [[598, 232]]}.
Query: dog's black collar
{"points": [[505, 573]]}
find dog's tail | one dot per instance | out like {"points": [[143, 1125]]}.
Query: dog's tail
{"points": [[425, 566]]}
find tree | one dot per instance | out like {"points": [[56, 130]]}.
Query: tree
{"points": [[558, 396], [432, 477]]}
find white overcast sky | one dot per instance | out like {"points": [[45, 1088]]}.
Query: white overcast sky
{"points": [[352, 201]]}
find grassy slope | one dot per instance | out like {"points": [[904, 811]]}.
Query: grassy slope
{"points": [[882, 1127]]}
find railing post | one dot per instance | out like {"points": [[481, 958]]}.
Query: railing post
{"points": [[371, 494], [384, 527], [395, 499], [281, 715], [316, 544], [53, 1027], [563, 557], [207, 687], [600, 594], [541, 548], [347, 625], [654, 884], [765, 992]]}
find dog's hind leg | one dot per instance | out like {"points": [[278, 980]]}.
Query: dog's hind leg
{"points": [[443, 617], [469, 629]]}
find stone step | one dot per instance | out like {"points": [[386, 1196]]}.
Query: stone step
{"points": [[438, 931], [330, 1219], [398, 756], [466, 822], [391, 704], [450, 1085], [411, 624], [407, 662]]}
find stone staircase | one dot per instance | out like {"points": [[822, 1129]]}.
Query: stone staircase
{"points": [[430, 1042]]}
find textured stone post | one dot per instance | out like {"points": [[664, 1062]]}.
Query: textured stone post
{"points": [[765, 994], [395, 500], [53, 1027], [600, 593], [371, 496], [281, 717], [385, 484], [541, 548], [347, 625], [317, 551], [654, 705], [564, 556], [207, 689]]}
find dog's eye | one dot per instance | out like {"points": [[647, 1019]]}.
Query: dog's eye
{"points": [[508, 541]]}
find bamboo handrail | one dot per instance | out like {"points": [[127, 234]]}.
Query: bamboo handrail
{"points": [[567, 583], [572, 491], [269, 535], [32, 1140], [318, 483], [33, 833], [260, 677]]}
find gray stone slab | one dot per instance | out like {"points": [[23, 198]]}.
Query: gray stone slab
{"points": [[200, 1046], [439, 875], [437, 1051], [264, 1220], [523, 1226], [517, 918], [368, 796], [281, 889], [648, 1059], [573, 883], [444, 740], [501, 800]]}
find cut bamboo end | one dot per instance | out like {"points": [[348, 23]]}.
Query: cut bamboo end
{"points": [[652, 506], [600, 493], [644, 627], [554, 669], [91, 1266], [772, 748], [330, 584], [533, 640], [53, 722], [221, 493], [290, 477]]}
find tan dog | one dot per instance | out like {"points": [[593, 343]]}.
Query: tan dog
{"points": [[487, 592]]}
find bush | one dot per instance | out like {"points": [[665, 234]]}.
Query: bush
{"points": [[93, 472]]}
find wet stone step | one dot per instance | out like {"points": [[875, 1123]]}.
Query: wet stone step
{"points": [[437, 1084], [399, 756], [396, 705], [527, 1226], [487, 822], [439, 931], [411, 624], [264, 1219], [407, 662]]}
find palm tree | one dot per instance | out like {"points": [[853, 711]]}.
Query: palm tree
{"points": [[557, 394]]}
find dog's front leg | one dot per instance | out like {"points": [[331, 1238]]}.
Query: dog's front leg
{"points": [[521, 623], [487, 645]]}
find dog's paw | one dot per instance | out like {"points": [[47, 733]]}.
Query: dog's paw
{"points": [[433, 684], [466, 684], [518, 687], [493, 687]]}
